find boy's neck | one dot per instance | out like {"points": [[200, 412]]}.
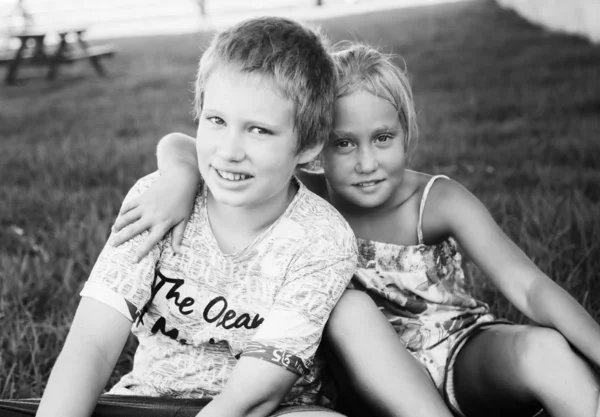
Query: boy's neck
{"points": [[234, 228]]}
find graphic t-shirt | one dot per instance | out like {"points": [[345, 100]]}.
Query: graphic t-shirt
{"points": [[196, 313]]}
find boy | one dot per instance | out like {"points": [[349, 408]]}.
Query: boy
{"points": [[238, 313]]}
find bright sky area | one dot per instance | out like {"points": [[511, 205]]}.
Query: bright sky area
{"points": [[115, 18]]}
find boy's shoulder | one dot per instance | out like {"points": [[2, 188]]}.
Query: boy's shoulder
{"points": [[143, 183], [320, 221]]}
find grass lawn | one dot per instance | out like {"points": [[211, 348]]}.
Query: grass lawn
{"points": [[509, 110]]}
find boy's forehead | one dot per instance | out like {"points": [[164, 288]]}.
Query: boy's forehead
{"points": [[248, 94], [232, 76]]}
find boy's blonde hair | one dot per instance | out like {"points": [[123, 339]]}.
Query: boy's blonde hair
{"points": [[362, 67], [296, 60]]}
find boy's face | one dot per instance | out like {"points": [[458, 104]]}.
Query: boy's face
{"points": [[246, 141], [364, 161]]}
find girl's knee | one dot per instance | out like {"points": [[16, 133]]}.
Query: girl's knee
{"points": [[542, 349]]}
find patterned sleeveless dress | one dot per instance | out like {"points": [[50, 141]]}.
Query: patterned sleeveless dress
{"points": [[421, 289]]}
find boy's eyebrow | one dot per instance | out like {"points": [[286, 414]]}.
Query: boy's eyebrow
{"points": [[259, 123], [250, 122], [209, 110]]}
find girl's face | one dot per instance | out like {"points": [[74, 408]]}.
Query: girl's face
{"points": [[364, 161]]}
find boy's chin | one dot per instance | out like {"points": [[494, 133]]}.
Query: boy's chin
{"points": [[231, 199]]}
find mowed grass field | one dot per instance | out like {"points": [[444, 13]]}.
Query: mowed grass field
{"points": [[506, 108]]}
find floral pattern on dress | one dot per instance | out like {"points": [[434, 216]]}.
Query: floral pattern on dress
{"points": [[421, 289]]}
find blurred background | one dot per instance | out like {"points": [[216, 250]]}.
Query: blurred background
{"points": [[507, 95]]}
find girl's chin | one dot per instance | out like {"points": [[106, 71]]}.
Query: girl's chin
{"points": [[369, 202]]}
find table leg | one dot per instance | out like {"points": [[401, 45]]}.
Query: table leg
{"points": [[55, 59], [13, 68], [95, 60]]}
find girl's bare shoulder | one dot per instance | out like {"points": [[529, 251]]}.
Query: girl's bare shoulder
{"points": [[416, 182], [442, 188], [443, 198]]}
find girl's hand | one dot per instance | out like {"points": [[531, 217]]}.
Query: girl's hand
{"points": [[166, 205]]}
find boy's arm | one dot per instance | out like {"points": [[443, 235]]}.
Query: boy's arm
{"points": [[285, 344], [112, 297], [95, 341], [254, 389], [516, 276], [168, 202]]}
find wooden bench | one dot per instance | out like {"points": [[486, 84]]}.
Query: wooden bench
{"points": [[34, 50]]}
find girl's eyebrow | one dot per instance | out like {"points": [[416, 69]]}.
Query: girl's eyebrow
{"points": [[385, 129], [340, 134]]}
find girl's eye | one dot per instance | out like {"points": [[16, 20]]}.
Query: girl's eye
{"points": [[343, 144], [383, 138], [260, 131], [216, 120]]}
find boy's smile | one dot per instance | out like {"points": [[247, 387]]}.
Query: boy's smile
{"points": [[233, 176]]}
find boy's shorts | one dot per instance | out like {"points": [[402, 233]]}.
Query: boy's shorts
{"points": [[140, 406], [301, 409], [439, 361]]}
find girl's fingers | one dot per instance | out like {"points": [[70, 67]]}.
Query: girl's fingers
{"points": [[153, 238], [126, 219], [128, 233], [129, 205], [177, 236]]}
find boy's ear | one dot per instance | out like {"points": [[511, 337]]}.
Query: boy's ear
{"points": [[308, 154]]}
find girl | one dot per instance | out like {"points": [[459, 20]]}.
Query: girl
{"points": [[409, 225]]}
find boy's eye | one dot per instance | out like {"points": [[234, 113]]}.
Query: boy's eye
{"points": [[216, 120], [260, 131]]}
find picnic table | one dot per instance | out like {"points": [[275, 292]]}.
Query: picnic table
{"points": [[34, 49]]}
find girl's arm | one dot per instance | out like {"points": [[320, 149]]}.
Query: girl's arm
{"points": [[455, 211], [168, 202], [94, 343]]}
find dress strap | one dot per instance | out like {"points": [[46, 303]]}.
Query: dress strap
{"points": [[422, 206]]}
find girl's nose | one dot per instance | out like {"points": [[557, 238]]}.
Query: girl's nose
{"points": [[367, 161]]}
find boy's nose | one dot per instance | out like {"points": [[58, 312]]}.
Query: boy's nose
{"points": [[231, 147], [367, 161]]}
